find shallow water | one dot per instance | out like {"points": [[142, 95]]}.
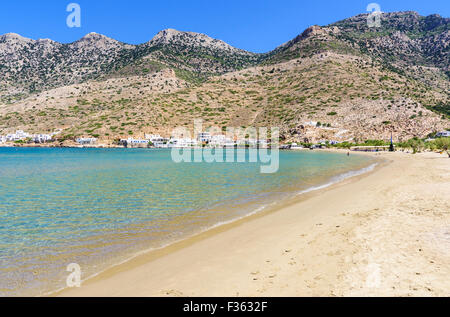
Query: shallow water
{"points": [[97, 207]]}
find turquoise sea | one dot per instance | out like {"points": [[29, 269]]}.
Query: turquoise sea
{"points": [[99, 207]]}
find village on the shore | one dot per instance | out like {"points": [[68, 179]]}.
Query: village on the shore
{"points": [[204, 139], [21, 138]]}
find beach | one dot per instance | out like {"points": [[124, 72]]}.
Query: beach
{"points": [[385, 233]]}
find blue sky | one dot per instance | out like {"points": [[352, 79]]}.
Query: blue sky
{"points": [[258, 26]]}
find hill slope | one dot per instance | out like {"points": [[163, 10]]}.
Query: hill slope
{"points": [[342, 81], [407, 43], [28, 66]]}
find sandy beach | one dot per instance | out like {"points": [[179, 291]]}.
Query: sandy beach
{"points": [[386, 233]]}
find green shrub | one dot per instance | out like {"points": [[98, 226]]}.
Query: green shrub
{"points": [[443, 144]]}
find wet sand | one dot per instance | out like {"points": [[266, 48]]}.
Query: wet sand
{"points": [[386, 233]]}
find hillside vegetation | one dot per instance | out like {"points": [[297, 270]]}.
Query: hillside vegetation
{"points": [[343, 81]]}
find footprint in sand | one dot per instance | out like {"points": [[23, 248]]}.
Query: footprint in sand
{"points": [[255, 274], [172, 292]]}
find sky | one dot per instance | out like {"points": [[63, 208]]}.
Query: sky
{"points": [[253, 25]]}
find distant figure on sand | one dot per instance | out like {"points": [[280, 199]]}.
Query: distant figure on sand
{"points": [[348, 153]]}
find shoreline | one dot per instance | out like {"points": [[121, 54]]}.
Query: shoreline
{"points": [[242, 208], [155, 253], [235, 259]]}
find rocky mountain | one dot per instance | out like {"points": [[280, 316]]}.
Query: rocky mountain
{"points": [[342, 81], [414, 46], [197, 53], [27, 65], [403, 38]]}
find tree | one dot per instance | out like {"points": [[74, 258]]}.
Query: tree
{"points": [[443, 144], [415, 144]]}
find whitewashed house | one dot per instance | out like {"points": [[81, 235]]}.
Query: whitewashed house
{"points": [[21, 135], [86, 141], [220, 141], [230, 143], [295, 146], [2, 139], [191, 142], [176, 143], [251, 142], [18, 136], [443, 134], [10, 137], [262, 143], [137, 142], [41, 138], [241, 142], [160, 142], [152, 137], [182, 143], [157, 140], [204, 137]]}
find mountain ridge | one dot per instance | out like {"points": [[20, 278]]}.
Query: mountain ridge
{"points": [[177, 74], [94, 55], [384, 43]]}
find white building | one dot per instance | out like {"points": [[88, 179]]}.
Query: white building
{"points": [[135, 142], [443, 134], [41, 138], [152, 136], [18, 136], [262, 143], [160, 142], [22, 135], [204, 137], [251, 142], [182, 143], [191, 142], [86, 141], [221, 141], [157, 140], [230, 144], [295, 146], [241, 142]]}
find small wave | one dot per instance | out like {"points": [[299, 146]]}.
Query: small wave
{"points": [[339, 178], [254, 212], [334, 180]]}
